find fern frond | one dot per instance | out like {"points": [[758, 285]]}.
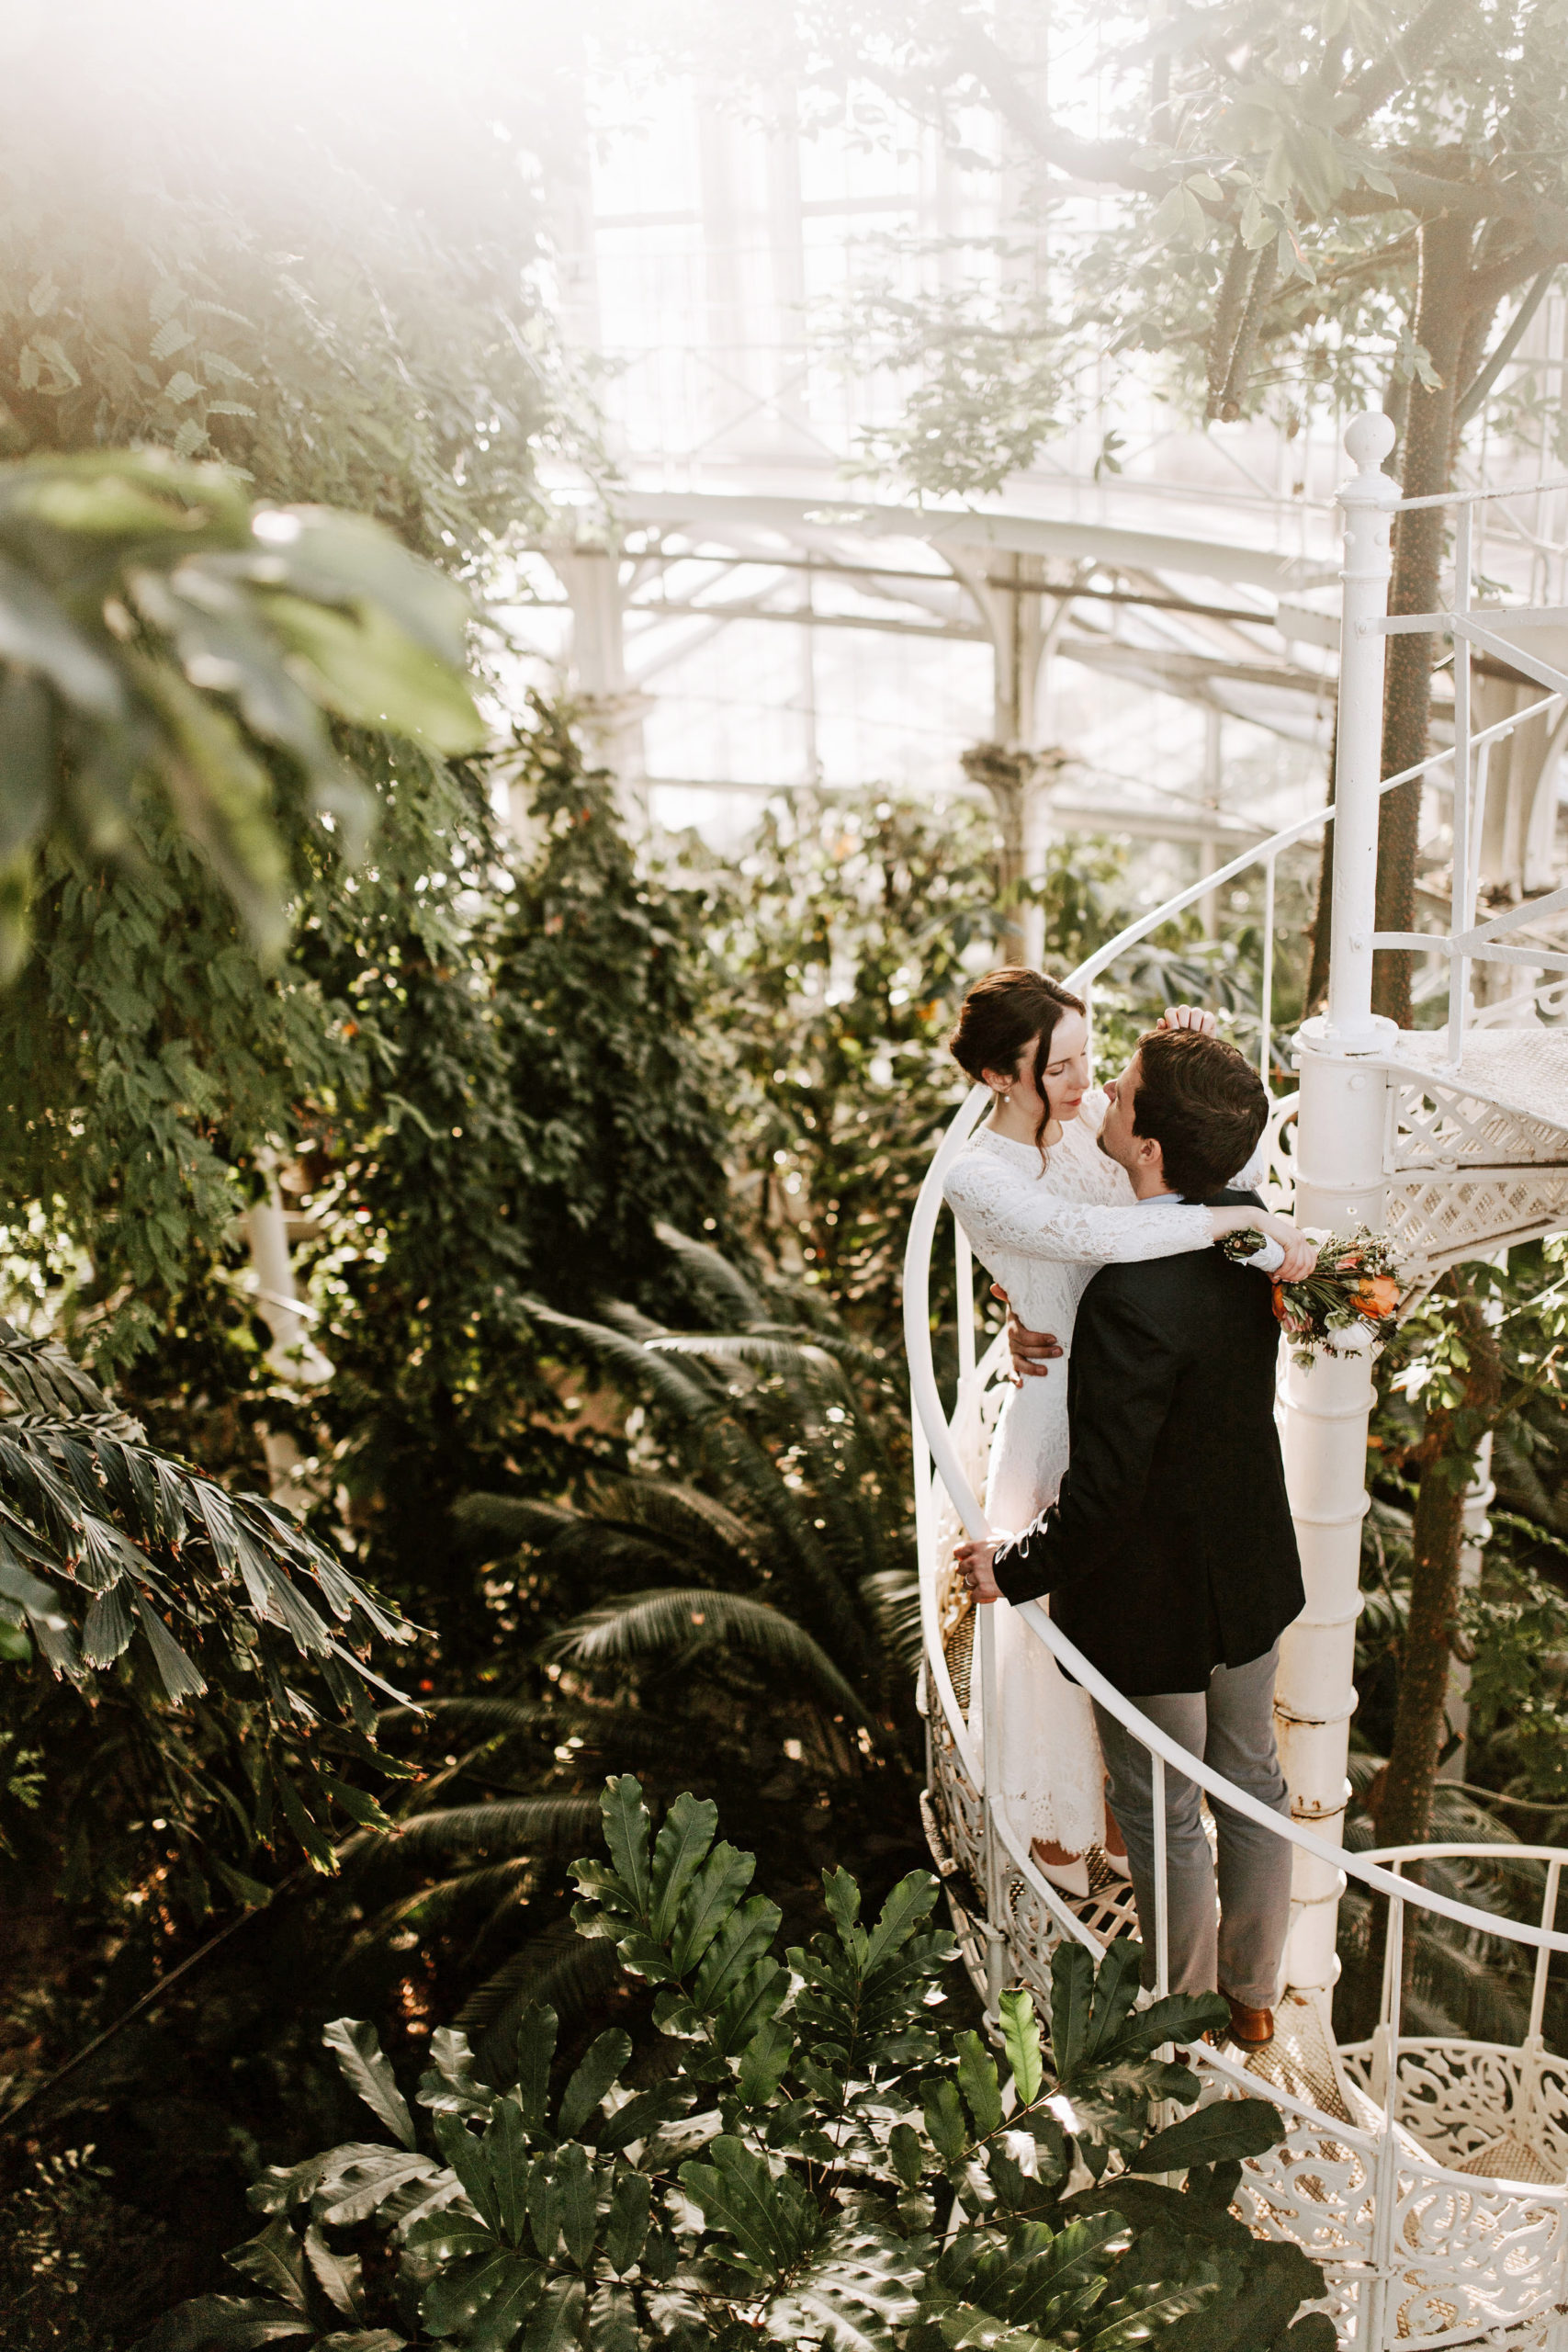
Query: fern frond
{"points": [[651, 1625], [515, 1519], [893, 1599], [530, 1825], [679, 1516], [636, 1366], [718, 1287], [563, 1970]]}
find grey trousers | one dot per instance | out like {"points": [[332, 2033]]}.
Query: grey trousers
{"points": [[1231, 1726]]}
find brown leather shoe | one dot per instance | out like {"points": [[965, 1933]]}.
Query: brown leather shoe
{"points": [[1253, 2029]]}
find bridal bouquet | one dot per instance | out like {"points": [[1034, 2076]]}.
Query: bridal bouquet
{"points": [[1354, 1285]]}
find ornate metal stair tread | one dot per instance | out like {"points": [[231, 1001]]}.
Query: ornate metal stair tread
{"points": [[1301, 2059], [1524, 1071], [1510, 2158]]}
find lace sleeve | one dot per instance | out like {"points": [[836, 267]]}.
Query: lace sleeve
{"points": [[1001, 1210], [1250, 1178]]}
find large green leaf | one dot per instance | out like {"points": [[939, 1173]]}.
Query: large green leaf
{"points": [[225, 2323], [578, 2190], [490, 2291], [506, 2152], [467, 2159], [363, 666], [768, 2215], [37, 635], [977, 2080], [537, 2030], [679, 1851], [1021, 2039], [1072, 1999], [627, 1830], [626, 2232], [367, 2069], [708, 1903], [1213, 2134], [599, 2070]]}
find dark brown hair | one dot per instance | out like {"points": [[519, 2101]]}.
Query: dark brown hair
{"points": [[999, 1017], [1202, 1103]]}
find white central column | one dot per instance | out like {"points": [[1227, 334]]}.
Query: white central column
{"points": [[1340, 1183]]}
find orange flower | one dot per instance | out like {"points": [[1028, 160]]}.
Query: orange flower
{"points": [[1282, 1305], [1377, 1298]]}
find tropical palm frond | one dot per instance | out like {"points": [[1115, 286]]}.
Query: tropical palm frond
{"points": [[805, 1364], [516, 1518], [558, 1968], [1461, 1818], [751, 1468], [893, 1597], [434, 1906], [651, 1625], [621, 1317], [532, 1825], [628, 1359], [718, 1286], [496, 1715], [591, 1544], [679, 1516], [1458, 1978]]}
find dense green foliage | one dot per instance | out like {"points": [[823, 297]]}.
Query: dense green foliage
{"points": [[780, 2168], [225, 1695], [154, 630]]}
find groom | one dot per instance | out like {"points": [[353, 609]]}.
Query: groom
{"points": [[1170, 1555]]}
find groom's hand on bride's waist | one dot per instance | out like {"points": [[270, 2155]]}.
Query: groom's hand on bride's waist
{"points": [[1032, 1351], [974, 1563]]}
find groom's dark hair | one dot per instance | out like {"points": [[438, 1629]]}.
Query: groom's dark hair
{"points": [[1204, 1105]]}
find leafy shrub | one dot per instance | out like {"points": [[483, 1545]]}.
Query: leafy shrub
{"points": [[215, 1642], [813, 2155], [77, 2269]]}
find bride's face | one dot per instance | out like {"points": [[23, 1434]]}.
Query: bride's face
{"points": [[1064, 1078]]}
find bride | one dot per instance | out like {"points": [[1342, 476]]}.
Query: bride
{"points": [[1044, 1208]]}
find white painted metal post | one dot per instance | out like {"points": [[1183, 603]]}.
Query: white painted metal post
{"points": [[1266, 987], [984, 1666], [1341, 1184], [292, 1358], [1366, 502]]}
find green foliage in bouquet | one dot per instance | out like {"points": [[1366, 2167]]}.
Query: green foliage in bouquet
{"points": [[809, 2155], [1355, 1287]]}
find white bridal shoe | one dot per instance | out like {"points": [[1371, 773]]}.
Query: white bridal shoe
{"points": [[1070, 1877]]}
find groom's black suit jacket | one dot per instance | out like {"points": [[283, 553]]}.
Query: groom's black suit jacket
{"points": [[1169, 1549]]}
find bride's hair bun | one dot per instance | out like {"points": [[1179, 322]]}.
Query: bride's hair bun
{"points": [[1001, 1013]]}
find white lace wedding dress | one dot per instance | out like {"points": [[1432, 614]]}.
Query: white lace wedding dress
{"points": [[1043, 1234]]}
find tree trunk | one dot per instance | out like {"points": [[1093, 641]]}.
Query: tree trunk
{"points": [[1442, 313], [1453, 1434], [1321, 921], [1007, 776]]}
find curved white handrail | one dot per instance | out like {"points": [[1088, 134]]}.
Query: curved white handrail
{"points": [[934, 1429], [1358, 1866]]}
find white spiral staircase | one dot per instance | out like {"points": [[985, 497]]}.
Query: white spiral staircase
{"points": [[1428, 2176]]}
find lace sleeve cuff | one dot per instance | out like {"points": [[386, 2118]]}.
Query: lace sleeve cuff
{"points": [[1001, 1213]]}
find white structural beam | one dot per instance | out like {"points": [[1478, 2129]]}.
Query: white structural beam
{"points": [[833, 517]]}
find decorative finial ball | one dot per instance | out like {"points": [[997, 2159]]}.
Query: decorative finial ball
{"points": [[1369, 439]]}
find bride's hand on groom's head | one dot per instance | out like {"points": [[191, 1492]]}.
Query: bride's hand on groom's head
{"points": [[1187, 1016]]}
